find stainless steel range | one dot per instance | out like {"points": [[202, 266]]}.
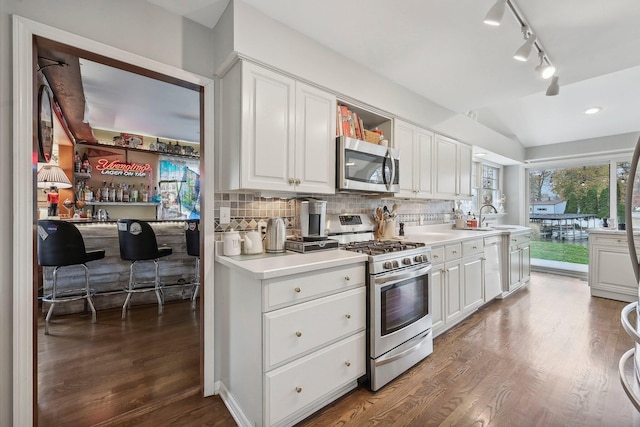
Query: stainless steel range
{"points": [[398, 297]]}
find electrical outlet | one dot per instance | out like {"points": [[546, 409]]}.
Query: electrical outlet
{"points": [[225, 215], [262, 227]]}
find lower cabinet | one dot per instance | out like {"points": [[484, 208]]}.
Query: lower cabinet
{"points": [[472, 275], [518, 264], [292, 344], [457, 278], [610, 272]]}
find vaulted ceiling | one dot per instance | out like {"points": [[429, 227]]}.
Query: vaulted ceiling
{"points": [[442, 51]]}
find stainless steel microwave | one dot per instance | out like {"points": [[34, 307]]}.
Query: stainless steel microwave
{"points": [[367, 167]]}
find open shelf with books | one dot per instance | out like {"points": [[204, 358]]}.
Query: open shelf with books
{"points": [[359, 123]]}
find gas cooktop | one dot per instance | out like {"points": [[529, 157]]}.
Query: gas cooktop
{"points": [[375, 247]]}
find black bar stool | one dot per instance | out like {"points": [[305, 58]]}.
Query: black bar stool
{"points": [[60, 244], [192, 234], [137, 244]]}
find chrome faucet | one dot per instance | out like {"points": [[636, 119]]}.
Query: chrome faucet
{"points": [[480, 212]]}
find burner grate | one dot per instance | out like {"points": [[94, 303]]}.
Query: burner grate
{"points": [[376, 247]]}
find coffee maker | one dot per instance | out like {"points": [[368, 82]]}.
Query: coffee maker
{"points": [[312, 220]]}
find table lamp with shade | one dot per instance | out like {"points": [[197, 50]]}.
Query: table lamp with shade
{"points": [[52, 177]]}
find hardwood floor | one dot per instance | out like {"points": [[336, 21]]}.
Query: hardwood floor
{"points": [[545, 356]]}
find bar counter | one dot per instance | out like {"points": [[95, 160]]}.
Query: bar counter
{"points": [[110, 275]]}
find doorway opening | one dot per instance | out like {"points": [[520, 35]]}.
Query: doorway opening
{"points": [[25, 384]]}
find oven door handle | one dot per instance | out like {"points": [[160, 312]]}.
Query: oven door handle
{"points": [[384, 360], [396, 277]]}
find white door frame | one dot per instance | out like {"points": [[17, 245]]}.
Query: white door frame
{"points": [[23, 193]]}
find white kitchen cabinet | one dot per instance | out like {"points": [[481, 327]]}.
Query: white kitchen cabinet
{"points": [[277, 134], [518, 263], [457, 278], [416, 160], [452, 168], [446, 289], [610, 272], [472, 275], [292, 344]]}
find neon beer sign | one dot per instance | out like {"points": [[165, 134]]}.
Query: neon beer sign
{"points": [[118, 168]]}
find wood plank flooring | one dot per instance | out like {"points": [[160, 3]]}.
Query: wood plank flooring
{"points": [[545, 356]]}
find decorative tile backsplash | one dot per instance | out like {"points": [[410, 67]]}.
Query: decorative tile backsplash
{"points": [[248, 209]]}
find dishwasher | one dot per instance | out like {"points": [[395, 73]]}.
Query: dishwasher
{"points": [[492, 282]]}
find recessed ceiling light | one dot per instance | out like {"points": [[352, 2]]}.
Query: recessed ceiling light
{"points": [[593, 110]]}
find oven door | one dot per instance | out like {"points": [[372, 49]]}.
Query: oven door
{"points": [[400, 307], [363, 166]]}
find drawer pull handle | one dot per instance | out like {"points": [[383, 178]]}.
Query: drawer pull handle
{"points": [[455, 252], [347, 363], [436, 256], [347, 278], [297, 290], [475, 247], [298, 389], [298, 181], [291, 181], [348, 316], [298, 334]]}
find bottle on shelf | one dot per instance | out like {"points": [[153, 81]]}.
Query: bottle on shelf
{"points": [[119, 193], [104, 196], [133, 194], [77, 162], [145, 194], [112, 192], [125, 193]]}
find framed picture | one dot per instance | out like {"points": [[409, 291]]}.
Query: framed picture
{"points": [[45, 124]]}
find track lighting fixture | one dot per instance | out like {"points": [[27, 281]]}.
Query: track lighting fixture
{"points": [[554, 87], [495, 14], [545, 68], [523, 52]]}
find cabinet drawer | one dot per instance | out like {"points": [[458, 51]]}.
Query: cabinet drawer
{"points": [[472, 247], [453, 251], [292, 331], [619, 240], [300, 383], [519, 239], [303, 287], [437, 255]]}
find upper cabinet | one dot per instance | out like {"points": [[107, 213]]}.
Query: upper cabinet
{"points": [[416, 160], [277, 134], [452, 168]]}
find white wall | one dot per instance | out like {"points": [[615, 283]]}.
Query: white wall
{"points": [[132, 25]]}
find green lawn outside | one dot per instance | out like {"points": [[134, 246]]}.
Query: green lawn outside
{"points": [[560, 252]]}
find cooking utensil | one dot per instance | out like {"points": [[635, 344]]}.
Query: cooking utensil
{"points": [[393, 210], [276, 236]]}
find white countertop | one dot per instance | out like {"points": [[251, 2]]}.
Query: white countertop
{"points": [[267, 266], [444, 234]]}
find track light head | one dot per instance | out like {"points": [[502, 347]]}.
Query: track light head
{"points": [[545, 68], [523, 52], [495, 14], [554, 87]]}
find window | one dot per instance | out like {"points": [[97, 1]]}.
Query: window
{"points": [[486, 187]]}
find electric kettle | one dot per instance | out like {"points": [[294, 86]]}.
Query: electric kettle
{"points": [[252, 242], [276, 235]]}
